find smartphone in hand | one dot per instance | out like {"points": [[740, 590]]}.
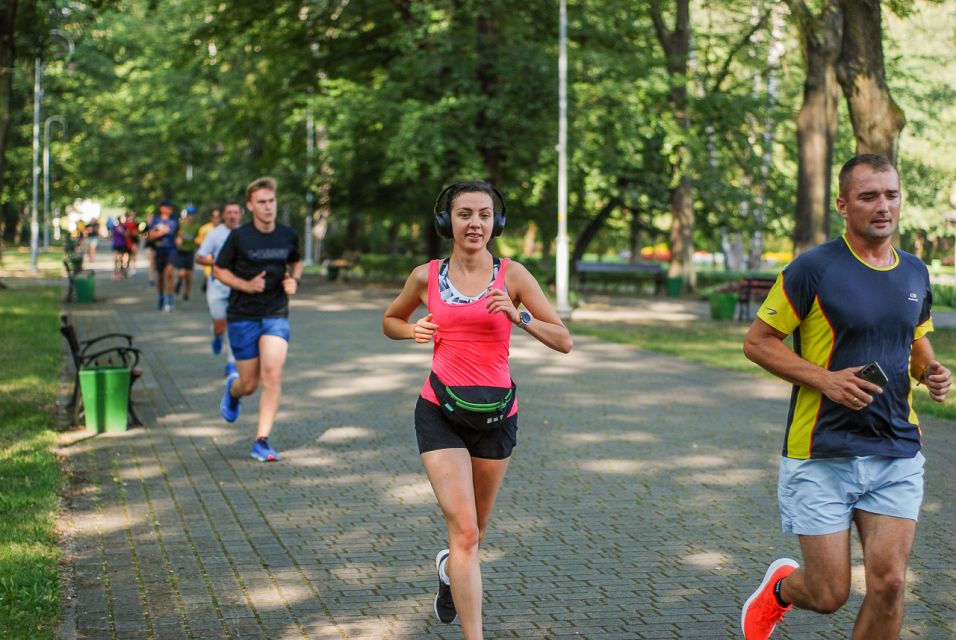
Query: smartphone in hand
{"points": [[873, 372]]}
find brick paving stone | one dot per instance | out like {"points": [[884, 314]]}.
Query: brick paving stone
{"points": [[640, 503]]}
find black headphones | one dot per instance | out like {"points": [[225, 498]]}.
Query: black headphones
{"points": [[443, 218]]}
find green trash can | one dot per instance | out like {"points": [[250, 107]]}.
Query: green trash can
{"points": [[674, 287], [723, 305], [105, 398], [85, 289]]}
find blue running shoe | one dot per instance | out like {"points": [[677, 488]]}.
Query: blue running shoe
{"points": [[262, 452], [229, 407], [230, 369], [216, 345]]}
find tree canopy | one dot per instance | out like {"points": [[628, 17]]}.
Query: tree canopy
{"points": [[191, 99]]}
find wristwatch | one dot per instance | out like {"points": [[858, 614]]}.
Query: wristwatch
{"points": [[524, 319]]}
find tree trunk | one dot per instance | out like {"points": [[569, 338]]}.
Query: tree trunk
{"points": [[816, 122], [323, 211], [877, 119], [591, 229], [681, 238], [8, 18], [676, 46], [774, 56], [637, 239], [487, 76]]}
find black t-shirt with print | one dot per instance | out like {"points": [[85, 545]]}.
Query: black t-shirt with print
{"points": [[247, 253]]}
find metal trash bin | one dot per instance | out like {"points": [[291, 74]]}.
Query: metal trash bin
{"points": [[723, 305], [675, 286], [85, 289], [105, 398]]}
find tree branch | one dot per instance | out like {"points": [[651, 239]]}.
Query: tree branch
{"points": [[725, 68]]}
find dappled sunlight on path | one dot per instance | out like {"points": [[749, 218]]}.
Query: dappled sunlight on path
{"points": [[641, 501]]}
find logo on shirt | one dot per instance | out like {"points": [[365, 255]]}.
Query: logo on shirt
{"points": [[913, 297], [771, 312]]}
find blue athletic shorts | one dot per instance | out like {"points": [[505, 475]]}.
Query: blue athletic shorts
{"points": [[244, 335], [818, 496]]}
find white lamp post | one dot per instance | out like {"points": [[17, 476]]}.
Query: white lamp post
{"points": [[561, 254], [46, 175], [309, 150], [67, 42]]}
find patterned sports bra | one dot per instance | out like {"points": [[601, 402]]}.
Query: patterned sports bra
{"points": [[451, 295]]}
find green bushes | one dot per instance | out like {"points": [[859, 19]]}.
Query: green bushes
{"points": [[944, 295]]}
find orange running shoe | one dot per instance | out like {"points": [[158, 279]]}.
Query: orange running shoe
{"points": [[761, 611]]}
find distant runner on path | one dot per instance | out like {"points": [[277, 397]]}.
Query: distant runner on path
{"points": [[859, 311], [186, 245], [260, 262], [466, 418], [217, 294], [163, 229]]}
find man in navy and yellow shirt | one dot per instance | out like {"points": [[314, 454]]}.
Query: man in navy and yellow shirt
{"points": [[852, 449]]}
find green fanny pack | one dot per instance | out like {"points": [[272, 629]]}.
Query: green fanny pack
{"points": [[475, 407]]}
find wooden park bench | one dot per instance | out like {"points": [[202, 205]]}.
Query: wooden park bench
{"points": [[108, 350], [340, 268], [639, 271], [751, 291]]}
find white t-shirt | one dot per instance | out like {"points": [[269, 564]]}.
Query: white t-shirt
{"points": [[213, 242]]}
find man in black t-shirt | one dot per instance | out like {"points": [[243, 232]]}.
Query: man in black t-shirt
{"points": [[260, 262]]}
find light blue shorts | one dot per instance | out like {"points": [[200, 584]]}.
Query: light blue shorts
{"points": [[818, 496], [244, 335]]}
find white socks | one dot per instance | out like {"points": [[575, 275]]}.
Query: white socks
{"points": [[441, 572]]}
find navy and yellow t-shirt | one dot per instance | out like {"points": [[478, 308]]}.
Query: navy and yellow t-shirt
{"points": [[843, 313]]}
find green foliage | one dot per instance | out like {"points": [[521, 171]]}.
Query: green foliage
{"points": [[30, 477], [944, 295], [415, 95]]}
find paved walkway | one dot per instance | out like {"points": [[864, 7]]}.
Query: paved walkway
{"points": [[640, 502]]}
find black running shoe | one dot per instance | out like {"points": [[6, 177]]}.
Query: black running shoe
{"points": [[444, 605]]}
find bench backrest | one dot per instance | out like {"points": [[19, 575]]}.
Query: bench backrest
{"points": [[618, 267], [69, 332]]}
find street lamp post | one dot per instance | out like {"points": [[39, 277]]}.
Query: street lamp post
{"points": [[67, 41], [46, 175], [309, 150], [561, 254]]}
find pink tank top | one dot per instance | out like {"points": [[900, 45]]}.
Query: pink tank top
{"points": [[471, 346]]}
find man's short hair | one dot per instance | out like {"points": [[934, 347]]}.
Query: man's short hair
{"points": [[230, 203], [872, 160], [265, 182]]}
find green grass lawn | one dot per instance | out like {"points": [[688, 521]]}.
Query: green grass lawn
{"points": [[15, 262], [30, 476], [719, 344]]}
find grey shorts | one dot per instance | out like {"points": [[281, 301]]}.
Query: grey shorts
{"points": [[217, 298], [818, 496]]}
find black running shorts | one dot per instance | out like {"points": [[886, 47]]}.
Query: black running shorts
{"points": [[435, 432]]}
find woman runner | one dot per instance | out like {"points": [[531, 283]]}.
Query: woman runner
{"points": [[472, 300]]}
